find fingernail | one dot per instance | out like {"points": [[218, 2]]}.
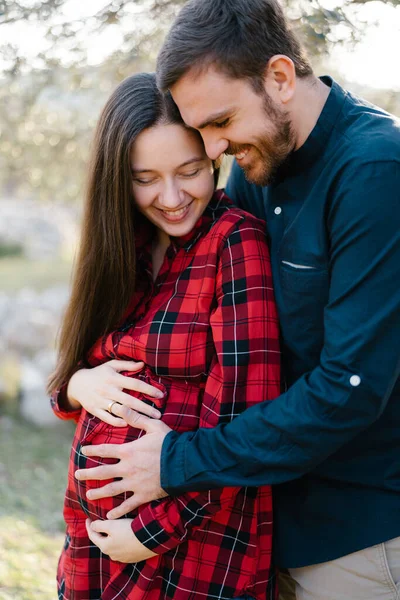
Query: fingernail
{"points": [[156, 414], [89, 495], [77, 474], [160, 395], [83, 450]]}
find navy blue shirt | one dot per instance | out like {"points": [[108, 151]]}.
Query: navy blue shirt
{"points": [[331, 442]]}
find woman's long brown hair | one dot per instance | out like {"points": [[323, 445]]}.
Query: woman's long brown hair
{"points": [[104, 275]]}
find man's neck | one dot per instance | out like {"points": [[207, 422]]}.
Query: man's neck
{"points": [[310, 101]]}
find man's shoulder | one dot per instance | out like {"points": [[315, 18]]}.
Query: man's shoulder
{"points": [[368, 133]]}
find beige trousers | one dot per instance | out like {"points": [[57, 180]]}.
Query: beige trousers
{"points": [[371, 574]]}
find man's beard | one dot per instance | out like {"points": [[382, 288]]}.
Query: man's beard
{"points": [[273, 149]]}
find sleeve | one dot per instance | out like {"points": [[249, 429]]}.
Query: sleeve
{"points": [[58, 401], [244, 371], [359, 364]]}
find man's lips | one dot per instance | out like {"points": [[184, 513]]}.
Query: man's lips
{"points": [[239, 152], [241, 155]]}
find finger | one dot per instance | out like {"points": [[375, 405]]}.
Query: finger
{"points": [[125, 411], [136, 404], [98, 473], [100, 527], [127, 506], [137, 385], [103, 450], [135, 419], [126, 365], [97, 539], [106, 417], [108, 491]]}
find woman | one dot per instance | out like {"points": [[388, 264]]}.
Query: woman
{"points": [[172, 275]]}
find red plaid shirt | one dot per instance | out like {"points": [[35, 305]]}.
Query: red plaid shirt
{"points": [[207, 330]]}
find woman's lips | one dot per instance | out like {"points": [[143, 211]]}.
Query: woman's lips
{"points": [[175, 216]]}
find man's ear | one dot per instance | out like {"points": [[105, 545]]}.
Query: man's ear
{"points": [[280, 78]]}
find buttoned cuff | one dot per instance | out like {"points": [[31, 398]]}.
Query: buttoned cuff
{"points": [[172, 463], [58, 401]]}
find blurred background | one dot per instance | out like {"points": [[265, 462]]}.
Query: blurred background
{"points": [[59, 61]]}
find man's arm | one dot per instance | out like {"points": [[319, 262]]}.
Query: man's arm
{"points": [[275, 442]]}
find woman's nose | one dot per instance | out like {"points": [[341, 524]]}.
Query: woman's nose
{"points": [[172, 196]]}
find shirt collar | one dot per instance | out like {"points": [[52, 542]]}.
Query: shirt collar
{"points": [[316, 142], [203, 224]]}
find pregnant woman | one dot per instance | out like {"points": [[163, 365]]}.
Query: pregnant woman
{"points": [[172, 276]]}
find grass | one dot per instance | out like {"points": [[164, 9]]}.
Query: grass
{"points": [[18, 272], [33, 469]]}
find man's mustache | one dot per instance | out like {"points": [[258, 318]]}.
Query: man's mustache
{"points": [[233, 149]]}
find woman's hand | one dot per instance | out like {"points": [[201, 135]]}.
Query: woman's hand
{"points": [[117, 540], [95, 389]]}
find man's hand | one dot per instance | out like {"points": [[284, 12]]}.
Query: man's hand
{"points": [[117, 540], [138, 469]]}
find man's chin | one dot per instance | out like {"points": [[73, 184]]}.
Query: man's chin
{"points": [[259, 177]]}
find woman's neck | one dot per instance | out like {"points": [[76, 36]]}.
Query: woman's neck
{"points": [[160, 245]]}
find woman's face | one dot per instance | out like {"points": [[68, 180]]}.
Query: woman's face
{"points": [[172, 177]]}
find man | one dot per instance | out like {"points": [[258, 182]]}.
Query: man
{"points": [[323, 169]]}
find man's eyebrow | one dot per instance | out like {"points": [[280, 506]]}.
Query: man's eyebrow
{"points": [[215, 117], [184, 164]]}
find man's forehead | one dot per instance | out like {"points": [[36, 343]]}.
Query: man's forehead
{"points": [[204, 96]]}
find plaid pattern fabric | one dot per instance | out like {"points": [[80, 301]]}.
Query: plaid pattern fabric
{"points": [[207, 330]]}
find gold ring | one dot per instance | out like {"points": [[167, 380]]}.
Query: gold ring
{"points": [[109, 407]]}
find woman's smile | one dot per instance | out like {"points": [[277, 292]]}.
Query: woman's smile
{"points": [[172, 177], [176, 215]]}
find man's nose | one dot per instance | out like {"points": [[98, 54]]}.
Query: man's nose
{"points": [[215, 146]]}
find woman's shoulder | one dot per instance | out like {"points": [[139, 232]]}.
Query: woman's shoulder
{"points": [[229, 218]]}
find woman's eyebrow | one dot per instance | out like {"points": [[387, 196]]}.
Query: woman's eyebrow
{"points": [[191, 160], [136, 171], [184, 164]]}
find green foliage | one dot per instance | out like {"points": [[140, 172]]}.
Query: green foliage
{"points": [[18, 272], [8, 249], [48, 108], [33, 471]]}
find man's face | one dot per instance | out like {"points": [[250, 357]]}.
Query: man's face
{"points": [[233, 119]]}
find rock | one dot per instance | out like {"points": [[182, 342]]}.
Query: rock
{"points": [[33, 320], [35, 403]]}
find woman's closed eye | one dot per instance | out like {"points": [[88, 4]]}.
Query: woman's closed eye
{"points": [[144, 180], [192, 173]]}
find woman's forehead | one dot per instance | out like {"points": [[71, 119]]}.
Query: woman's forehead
{"points": [[166, 145]]}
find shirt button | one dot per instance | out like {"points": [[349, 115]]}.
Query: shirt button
{"points": [[355, 380], [278, 210]]}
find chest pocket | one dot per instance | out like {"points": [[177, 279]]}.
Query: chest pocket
{"points": [[304, 291]]}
